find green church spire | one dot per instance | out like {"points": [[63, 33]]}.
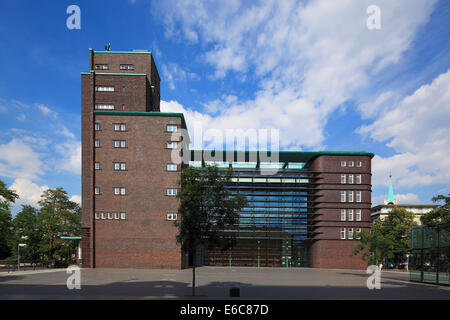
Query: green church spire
{"points": [[390, 198]]}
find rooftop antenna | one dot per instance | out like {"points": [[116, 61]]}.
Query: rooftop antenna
{"points": [[108, 47]]}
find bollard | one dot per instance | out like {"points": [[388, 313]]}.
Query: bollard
{"points": [[235, 292]]}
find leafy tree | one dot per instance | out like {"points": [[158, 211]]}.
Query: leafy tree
{"points": [[58, 217], [439, 217], [388, 241], [26, 230], [207, 208], [6, 197]]}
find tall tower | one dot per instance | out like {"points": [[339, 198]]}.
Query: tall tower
{"points": [[127, 172]]}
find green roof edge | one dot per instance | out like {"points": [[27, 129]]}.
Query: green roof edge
{"points": [[139, 52], [148, 114]]}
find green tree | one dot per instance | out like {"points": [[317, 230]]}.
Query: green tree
{"points": [[206, 209], [7, 196], [26, 230], [439, 217], [388, 241], [57, 217]]}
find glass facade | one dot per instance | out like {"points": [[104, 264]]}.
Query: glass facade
{"points": [[272, 229], [430, 255]]}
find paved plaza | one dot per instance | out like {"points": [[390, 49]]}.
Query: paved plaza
{"points": [[215, 283]]}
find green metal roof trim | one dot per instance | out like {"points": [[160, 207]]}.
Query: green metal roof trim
{"points": [[287, 156], [148, 114], [136, 51]]}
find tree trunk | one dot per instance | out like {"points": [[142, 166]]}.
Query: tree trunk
{"points": [[193, 272]]}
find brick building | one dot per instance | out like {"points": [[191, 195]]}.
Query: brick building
{"points": [[305, 215]]}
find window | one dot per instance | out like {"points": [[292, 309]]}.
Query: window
{"points": [[104, 107], [171, 192], [103, 215], [342, 196], [120, 144], [123, 215], [101, 67], [120, 127], [351, 164], [104, 89], [97, 126], [171, 145], [358, 179], [105, 67], [97, 143], [358, 214], [110, 215], [350, 196], [342, 214], [171, 128], [97, 190], [343, 178], [342, 233], [359, 164], [126, 67], [171, 216], [97, 166], [350, 179], [123, 67], [358, 230], [350, 214], [116, 216], [358, 196], [130, 67], [343, 163], [171, 167], [120, 166], [97, 215], [120, 191], [350, 233]]}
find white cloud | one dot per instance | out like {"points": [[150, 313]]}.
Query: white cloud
{"points": [[19, 160], [172, 73], [47, 111], [408, 198], [29, 192], [76, 198], [310, 57], [71, 157], [418, 130]]}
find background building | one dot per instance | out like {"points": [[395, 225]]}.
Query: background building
{"points": [[382, 211], [306, 214]]}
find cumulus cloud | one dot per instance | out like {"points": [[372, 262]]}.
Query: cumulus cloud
{"points": [[173, 73], [310, 57], [19, 160], [418, 130], [76, 198], [29, 192], [408, 198], [71, 157]]}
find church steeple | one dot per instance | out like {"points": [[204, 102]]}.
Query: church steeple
{"points": [[390, 197]]}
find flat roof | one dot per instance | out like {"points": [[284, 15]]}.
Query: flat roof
{"points": [[285, 156]]}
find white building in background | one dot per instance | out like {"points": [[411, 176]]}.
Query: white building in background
{"points": [[382, 211]]}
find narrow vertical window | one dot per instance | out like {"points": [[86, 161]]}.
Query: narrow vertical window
{"points": [[343, 163], [97, 126], [358, 196], [97, 166], [97, 190], [350, 233], [97, 143], [350, 163], [342, 233], [359, 164], [358, 230], [342, 214], [342, 196], [350, 196], [350, 214], [358, 179], [342, 178], [123, 215], [350, 179], [358, 214]]}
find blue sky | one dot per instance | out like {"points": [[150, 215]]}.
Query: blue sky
{"points": [[311, 69]]}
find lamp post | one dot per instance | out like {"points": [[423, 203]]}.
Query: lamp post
{"points": [[18, 254]]}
